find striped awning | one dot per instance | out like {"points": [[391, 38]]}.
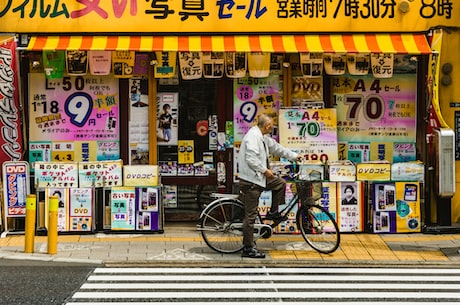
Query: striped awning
{"points": [[335, 43]]}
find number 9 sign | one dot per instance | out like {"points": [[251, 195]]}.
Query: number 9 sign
{"points": [[78, 107]]}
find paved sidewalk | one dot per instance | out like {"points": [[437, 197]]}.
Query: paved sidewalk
{"points": [[183, 245]]}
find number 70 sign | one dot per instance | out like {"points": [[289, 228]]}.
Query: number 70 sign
{"points": [[311, 132]]}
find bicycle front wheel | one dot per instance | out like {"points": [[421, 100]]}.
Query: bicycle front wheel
{"points": [[318, 228], [222, 224]]}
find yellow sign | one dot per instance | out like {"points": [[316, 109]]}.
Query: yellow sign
{"points": [[185, 152], [89, 16]]}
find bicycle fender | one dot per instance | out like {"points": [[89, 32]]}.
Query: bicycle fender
{"points": [[218, 200]]}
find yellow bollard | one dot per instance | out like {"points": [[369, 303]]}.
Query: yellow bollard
{"points": [[53, 224], [31, 214]]}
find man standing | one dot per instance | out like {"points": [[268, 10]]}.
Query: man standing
{"points": [[255, 176]]}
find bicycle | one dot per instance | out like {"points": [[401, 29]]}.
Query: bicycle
{"points": [[221, 221]]}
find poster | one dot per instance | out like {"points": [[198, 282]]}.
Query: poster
{"points": [[123, 207], [376, 118], [306, 89], [185, 152], [351, 206], [396, 207], [168, 113], [81, 110], [169, 196], [81, 209], [255, 96], [62, 195], [311, 132], [139, 121]]}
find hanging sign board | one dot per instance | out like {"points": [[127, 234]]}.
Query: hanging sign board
{"points": [[123, 63], [235, 64], [311, 64], [141, 65], [382, 65], [213, 64], [191, 66], [100, 62], [335, 63], [54, 64], [77, 62], [358, 64], [15, 177], [166, 65], [259, 64]]}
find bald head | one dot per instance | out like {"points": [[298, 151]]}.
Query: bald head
{"points": [[265, 123]]}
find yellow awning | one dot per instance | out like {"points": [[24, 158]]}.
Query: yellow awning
{"points": [[335, 43]]}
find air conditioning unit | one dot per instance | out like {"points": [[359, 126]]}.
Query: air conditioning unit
{"points": [[444, 144]]}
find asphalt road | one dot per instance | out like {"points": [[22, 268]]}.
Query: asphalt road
{"points": [[38, 282]]}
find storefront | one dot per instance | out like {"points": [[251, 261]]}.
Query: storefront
{"points": [[371, 87]]}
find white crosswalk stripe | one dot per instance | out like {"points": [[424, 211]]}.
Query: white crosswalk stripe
{"points": [[243, 286]]}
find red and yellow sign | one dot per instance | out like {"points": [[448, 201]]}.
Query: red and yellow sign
{"points": [[86, 16]]}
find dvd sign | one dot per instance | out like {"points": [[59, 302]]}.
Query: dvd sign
{"points": [[16, 169], [16, 187]]}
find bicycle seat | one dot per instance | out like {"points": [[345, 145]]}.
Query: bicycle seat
{"points": [[221, 195]]}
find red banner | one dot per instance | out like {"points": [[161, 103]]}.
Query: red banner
{"points": [[10, 115]]}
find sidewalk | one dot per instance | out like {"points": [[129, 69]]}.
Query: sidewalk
{"points": [[183, 245]]}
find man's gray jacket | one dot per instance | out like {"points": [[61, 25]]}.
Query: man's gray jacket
{"points": [[253, 155]]}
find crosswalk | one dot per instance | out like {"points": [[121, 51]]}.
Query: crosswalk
{"points": [[244, 286]]}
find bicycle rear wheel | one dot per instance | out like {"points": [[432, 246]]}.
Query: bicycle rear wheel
{"points": [[318, 228], [221, 226]]}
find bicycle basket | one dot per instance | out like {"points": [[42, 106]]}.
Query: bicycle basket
{"points": [[309, 191]]}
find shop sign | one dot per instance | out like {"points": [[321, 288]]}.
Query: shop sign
{"points": [[15, 187], [134, 16], [11, 133]]}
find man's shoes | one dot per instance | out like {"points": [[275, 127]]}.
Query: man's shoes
{"points": [[275, 216], [252, 253]]}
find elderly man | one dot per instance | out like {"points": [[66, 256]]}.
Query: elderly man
{"points": [[255, 176]]}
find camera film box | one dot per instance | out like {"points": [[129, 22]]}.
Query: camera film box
{"points": [[311, 171], [341, 170], [408, 171], [373, 171]]}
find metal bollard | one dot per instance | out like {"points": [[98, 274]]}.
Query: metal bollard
{"points": [[31, 214], [53, 224]]}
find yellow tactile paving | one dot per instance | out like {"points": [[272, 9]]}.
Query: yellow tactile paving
{"points": [[433, 256], [408, 256], [308, 255], [282, 254], [337, 255]]}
